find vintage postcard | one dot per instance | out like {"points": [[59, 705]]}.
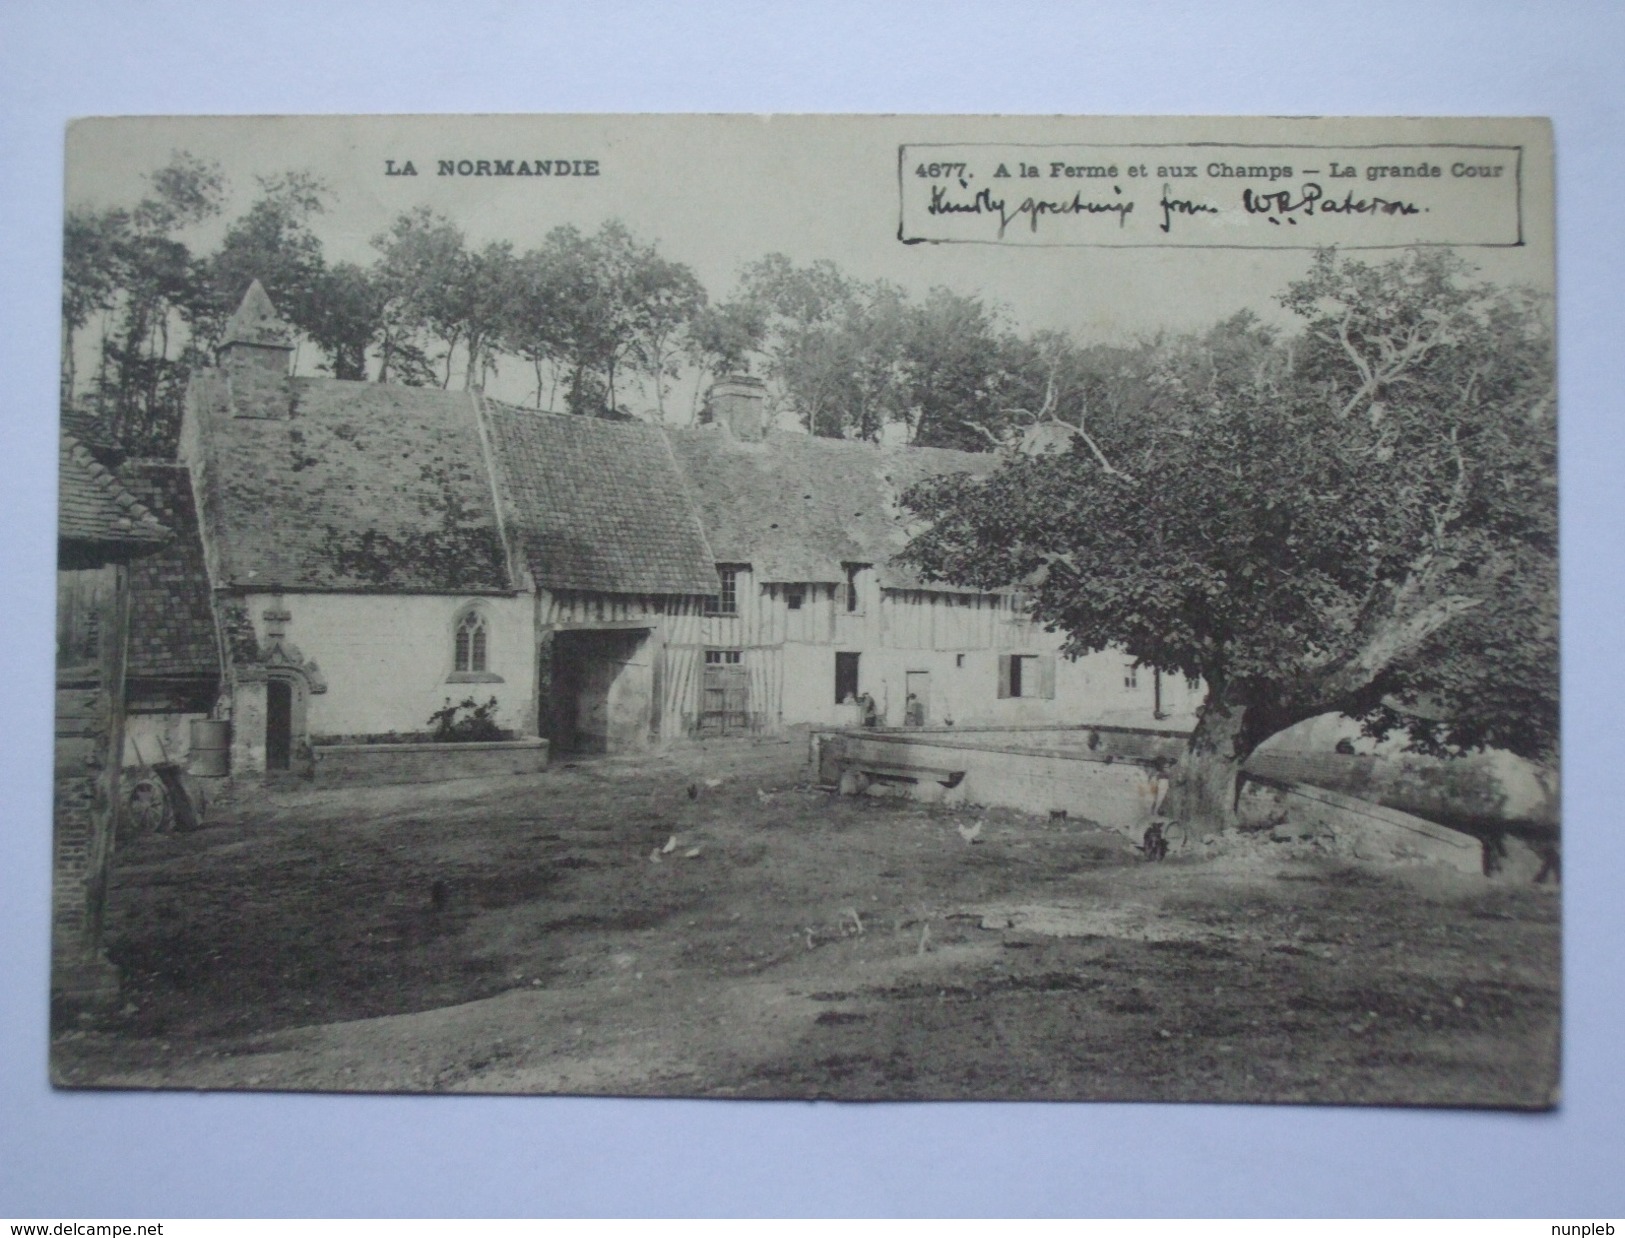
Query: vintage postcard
{"points": [[815, 606]]}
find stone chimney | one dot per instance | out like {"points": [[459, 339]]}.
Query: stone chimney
{"points": [[256, 338], [738, 403]]}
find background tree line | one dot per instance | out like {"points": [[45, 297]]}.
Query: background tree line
{"points": [[584, 322]]}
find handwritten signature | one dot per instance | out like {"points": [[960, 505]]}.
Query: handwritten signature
{"points": [[1312, 200], [1032, 209]]}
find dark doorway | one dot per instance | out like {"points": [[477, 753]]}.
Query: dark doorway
{"points": [[600, 690], [917, 709], [846, 676], [278, 724]]}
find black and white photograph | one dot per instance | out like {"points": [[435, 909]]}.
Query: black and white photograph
{"points": [[906, 608]]}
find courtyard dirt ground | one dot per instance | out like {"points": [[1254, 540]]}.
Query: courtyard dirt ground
{"points": [[597, 930]]}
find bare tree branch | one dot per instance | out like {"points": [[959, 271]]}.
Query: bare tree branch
{"points": [[983, 430]]}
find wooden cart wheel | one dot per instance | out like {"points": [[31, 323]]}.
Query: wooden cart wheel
{"points": [[148, 806]]}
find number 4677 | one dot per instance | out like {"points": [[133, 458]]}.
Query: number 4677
{"points": [[937, 170]]}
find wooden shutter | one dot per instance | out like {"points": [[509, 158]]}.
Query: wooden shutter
{"points": [[1004, 676], [1046, 676]]}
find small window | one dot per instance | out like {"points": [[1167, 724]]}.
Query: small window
{"points": [[723, 657], [471, 649], [1131, 675], [726, 599], [959, 660], [470, 652], [1026, 675], [795, 596]]}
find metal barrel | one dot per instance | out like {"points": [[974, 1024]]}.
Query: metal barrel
{"points": [[211, 748]]}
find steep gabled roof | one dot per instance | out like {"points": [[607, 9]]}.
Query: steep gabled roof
{"points": [[97, 518], [598, 505], [256, 321], [172, 629], [322, 483], [798, 507]]}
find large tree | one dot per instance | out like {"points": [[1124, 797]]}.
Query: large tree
{"points": [[422, 262], [132, 269], [1358, 517], [597, 308], [831, 346]]}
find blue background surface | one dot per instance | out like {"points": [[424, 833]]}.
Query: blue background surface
{"points": [[171, 1155]]}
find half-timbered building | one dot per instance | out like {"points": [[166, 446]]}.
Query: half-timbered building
{"points": [[377, 553]]}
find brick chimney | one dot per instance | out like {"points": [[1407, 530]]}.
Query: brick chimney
{"points": [[256, 337], [738, 403]]}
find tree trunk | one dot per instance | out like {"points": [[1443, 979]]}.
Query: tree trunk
{"points": [[68, 367], [1207, 780]]}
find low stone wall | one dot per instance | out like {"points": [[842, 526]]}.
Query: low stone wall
{"points": [[371, 764], [1117, 779], [1359, 828], [1471, 792]]}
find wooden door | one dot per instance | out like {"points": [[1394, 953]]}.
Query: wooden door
{"points": [[725, 694]]}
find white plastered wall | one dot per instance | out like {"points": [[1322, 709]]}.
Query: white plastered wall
{"points": [[387, 660]]}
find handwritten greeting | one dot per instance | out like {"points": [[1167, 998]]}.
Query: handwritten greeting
{"points": [[1211, 195]]}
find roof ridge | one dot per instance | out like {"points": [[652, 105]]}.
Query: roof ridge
{"points": [[134, 512], [500, 498], [690, 505]]}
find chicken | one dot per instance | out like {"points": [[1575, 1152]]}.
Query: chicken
{"points": [[971, 833]]}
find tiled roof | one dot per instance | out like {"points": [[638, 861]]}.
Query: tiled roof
{"points": [[598, 505], [321, 483], [84, 424], [95, 512], [171, 621], [797, 507]]}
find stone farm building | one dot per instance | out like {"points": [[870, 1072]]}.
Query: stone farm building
{"points": [[371, 552]]}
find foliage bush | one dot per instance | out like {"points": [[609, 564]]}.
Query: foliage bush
{"points": [[477, 723]]}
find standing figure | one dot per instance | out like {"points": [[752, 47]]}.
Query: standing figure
{"points": [[914, 711], [871, 715]]}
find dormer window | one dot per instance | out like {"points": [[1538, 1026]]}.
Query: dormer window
{"points": [[726, 599], [795, 596]]}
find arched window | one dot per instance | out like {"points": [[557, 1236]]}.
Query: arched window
{"points": [[469, 656]]}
